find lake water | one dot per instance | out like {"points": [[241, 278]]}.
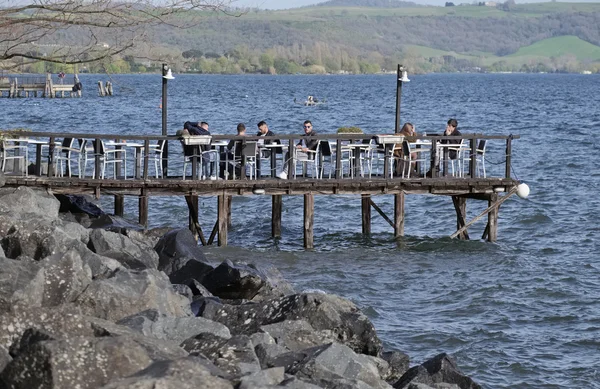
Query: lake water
{"points": [[521, 313]]}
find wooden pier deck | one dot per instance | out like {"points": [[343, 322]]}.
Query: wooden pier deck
{"points": [[469, 185], [43, 86]]}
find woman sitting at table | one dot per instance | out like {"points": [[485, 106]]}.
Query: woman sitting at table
{"points": [[407, 130]]}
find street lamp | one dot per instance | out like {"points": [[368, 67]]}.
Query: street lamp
{"points": [[402, 75], [166, 75]]}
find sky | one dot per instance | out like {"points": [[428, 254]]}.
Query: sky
{"points": [[281, 4]]}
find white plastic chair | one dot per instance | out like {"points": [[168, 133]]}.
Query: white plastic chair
{"points": [[13, 150], [156, 156], [312, 161], [107, 157]]}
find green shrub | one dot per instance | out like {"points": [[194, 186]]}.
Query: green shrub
{"points": [[349, 130]]}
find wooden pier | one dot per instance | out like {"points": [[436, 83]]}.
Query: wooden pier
{"points": [[345, 180], [34, 86]]}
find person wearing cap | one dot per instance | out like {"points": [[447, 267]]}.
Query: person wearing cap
{"points": [[303, 148]]}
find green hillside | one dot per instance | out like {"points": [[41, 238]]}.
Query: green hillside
{"points": [[560, 46]]}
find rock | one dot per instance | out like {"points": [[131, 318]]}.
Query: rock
{"points": [[274, 286], [398, 364], [297, 335], [235, 356], [5, 358], [100, 266], [76, 362], [261, 338], [206, 306], [2, 255], [129, 292], [263, 378], [335, 362], [323, 312], [184, 291], [132, 255], [382, 367], [197, 288], [115, 224], [66, 278], [234, 281], [29, 337], [2, 179], [439, 369], [296, 383], [176, 245], [26, 201], [274, 355], [188, 271], [21, 284], [184, 373], [176, 329], [78, 204]]}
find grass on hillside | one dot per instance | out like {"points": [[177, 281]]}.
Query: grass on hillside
{"points": [[558, 46]]}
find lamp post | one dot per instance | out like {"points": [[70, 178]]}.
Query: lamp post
{"points": [[402, 76], [166, 75]]}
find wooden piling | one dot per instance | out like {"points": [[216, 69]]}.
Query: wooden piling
{"points": [[109, 88], [229, 201], [460, 206], [101, 90], [192, 201], [143, 208], [309, 219], [399, 215], [119, 205], [277, 206], [492, 227], [222, 219], [366, 214]]}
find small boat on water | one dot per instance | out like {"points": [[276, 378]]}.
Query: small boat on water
{"points": [[310, 101]]}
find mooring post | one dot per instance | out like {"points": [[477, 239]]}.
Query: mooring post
{"points": [[399, 214], [309, 213], [460, 205], [366, 214], [493, 219], [229, 201], [192, 201], [277, 202], [398, 98], [119, 205], [143, 208], [222, 219]]}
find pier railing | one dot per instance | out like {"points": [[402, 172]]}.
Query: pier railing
{"points": [[346, 155]]}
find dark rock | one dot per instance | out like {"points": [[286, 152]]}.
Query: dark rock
{"points": [[184, 290], [263, 378], [337, 362], [2, 179], [115, 224], [129, 292], [188, 268], [398, 363], [235, 356], [29, 337], [323, 312], [234, 281], [5, 358], [100, 266], [21, 284], [197, 288], [297, 335], [26, 201], [78, 204], [176, 245], [439, 369], [77, 362], [296, 383], [132, 254], [176, 329], [206, 306], [274, 355], [184, 373], [274, 286]]}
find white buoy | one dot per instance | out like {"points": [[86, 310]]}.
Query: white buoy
{"points": [[523, 190], [258, 191]]}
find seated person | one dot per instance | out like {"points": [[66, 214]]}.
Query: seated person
{"points": [[452, 130], [195, 128], [407, 130], [263, 130], [302, 148], [230, 160]]}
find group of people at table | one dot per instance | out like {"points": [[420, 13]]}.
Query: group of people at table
{"points": [[304, 150]]}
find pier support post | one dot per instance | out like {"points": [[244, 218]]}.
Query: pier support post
{"points": [[192, 201], [309, 213], [222, 219], [229, 201], [399, 215], [460, 205], [366, 214], [119, 205], [143, 208], [492, 226], [277, 206]]}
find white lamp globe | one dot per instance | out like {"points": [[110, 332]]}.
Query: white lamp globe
{"points": [[523, 190]]}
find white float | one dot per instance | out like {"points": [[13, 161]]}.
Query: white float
{"points": [[523, 190]]}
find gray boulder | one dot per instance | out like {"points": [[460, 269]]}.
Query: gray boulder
{"points": [[439, 369], [78, 204], [323, 312], [175, 248], [176, 329], [2, 179], [184, 373], [21, 284], [114, 224], [129, 292], [297, 335], [27, 201], [398, 364], [235, 356], [189, 271], [274, 355], [275, 285], [263, 378], [296, 383], [29, 337], [76, 362], [66, 278], [131, 254], [338, 362], [5, 358]]}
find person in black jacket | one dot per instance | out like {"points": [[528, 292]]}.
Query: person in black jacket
{"points": [[303, 148], [452, 130], [196, 128]]}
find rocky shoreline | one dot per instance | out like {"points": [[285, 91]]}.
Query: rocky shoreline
{"points": [[90, 301]]}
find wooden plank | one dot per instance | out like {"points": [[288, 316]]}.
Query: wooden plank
{"points": [[213, 233], [276, 211], [309, 213], [460, 206], [399, 214], [222, 219], [229, 202], [383, 215], [366, 214], [119, 205], [194, 225], [493, 219], [508, 157], [143, 209]]}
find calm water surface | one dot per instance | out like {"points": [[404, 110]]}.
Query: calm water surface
{"points": [[522, 313]]}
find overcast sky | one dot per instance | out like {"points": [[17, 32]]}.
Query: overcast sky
{"points": [[280, 4]]}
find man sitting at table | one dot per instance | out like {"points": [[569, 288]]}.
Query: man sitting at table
{"points": [[452, 130], [303, 149], [263, 130], [230, 159], [195, 128]]}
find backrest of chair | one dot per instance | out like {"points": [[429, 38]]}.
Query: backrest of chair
{"points": [[249, 149], [101, 147], [481, 146], [406, 149], [326, 149], [160, 146], [68, 142]]}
